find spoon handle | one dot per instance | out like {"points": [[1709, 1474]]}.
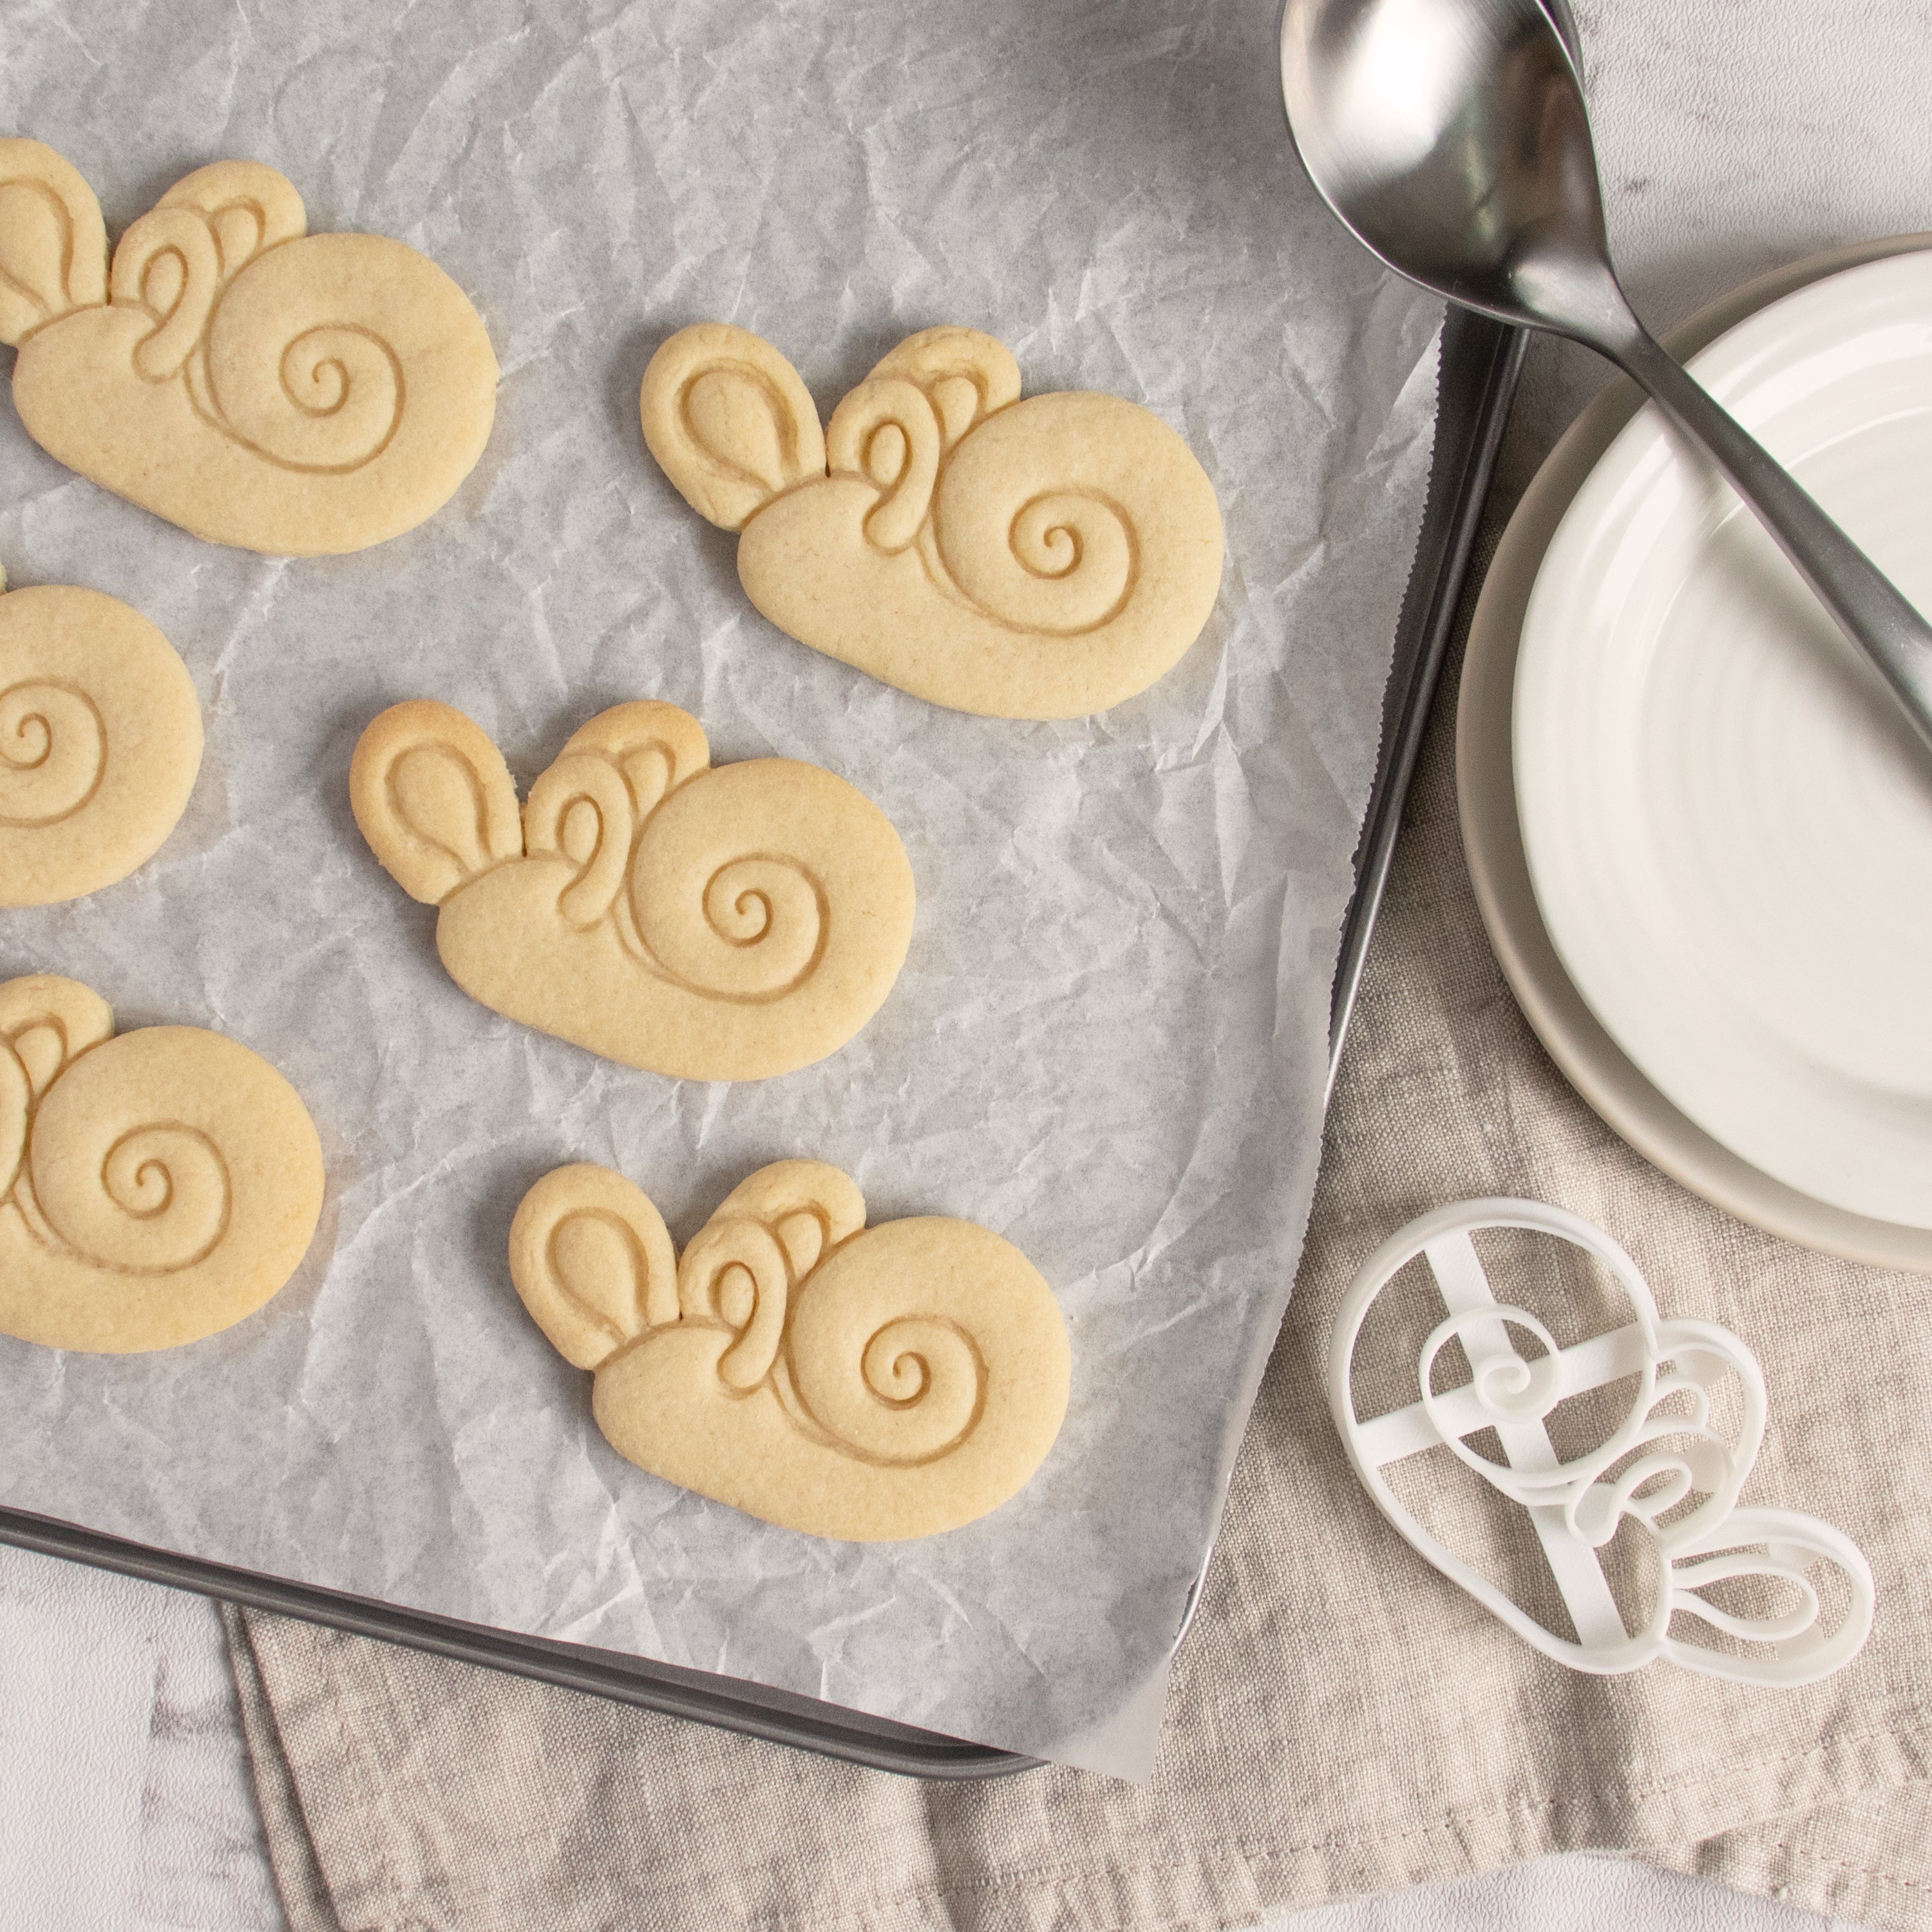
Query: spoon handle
{"points": [[1870, 607]]}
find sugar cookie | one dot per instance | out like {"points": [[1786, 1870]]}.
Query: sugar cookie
{"points": [[295, 394], [1043, 559], [722, 925], [100, 742], [154, 1188], [867, 1384]]}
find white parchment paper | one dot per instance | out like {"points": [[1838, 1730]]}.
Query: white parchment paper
{"points": [[1108, 1042]]}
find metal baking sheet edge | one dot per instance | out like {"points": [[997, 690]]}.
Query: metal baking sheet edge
{"points": [[1480, 361]]}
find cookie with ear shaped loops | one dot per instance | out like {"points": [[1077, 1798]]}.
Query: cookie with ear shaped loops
{"points": [[99, 742], [869, 1384], [1046, 558], [708, 924], [154, 1188], [295, 394]]}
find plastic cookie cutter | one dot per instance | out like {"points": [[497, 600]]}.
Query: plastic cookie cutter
{"points": [[1665, 1472]]}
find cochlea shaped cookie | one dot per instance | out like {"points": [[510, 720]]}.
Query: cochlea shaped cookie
{"points": [[725, 924], [1043, 559], [154, 1189], [100, 742], [296, 393], [870, 1384]]}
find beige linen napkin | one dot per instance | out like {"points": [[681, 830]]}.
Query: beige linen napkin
{"points": [[1343, 1719]]}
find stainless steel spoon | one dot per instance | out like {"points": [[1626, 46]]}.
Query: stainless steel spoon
{"points": [[1450, 135]]}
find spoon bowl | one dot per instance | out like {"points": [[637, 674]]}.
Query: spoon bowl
{"points": [[1452, 141]]}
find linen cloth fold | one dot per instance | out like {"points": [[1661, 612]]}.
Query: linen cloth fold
{"points": [[1344, 1721]]}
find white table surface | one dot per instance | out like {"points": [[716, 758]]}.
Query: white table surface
{"points": [[1732, 136]]}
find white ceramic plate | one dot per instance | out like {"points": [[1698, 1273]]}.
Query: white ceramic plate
{"points": [[1729, 832], [1601, 1072]]}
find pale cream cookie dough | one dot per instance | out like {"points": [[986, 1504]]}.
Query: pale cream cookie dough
{"points": [[871, 1385], [154, 1189], [711, 925], [100, 742], [1043, 559], [298, 394]]}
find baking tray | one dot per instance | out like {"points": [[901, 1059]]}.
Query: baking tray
{"points": [[1480, 362]]}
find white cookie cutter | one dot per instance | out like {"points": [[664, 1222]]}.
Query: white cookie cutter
{"points": [[1576, 1506]]}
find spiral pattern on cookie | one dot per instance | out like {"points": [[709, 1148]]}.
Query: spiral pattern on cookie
{"points": [[322, 394], [906, 1391], [135, 1145], [737, 879], [1043, 512], [150, 1198], [52, 751]]}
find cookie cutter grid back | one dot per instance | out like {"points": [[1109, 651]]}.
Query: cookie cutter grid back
{"points": [[1667, 1470], [1480, 360]]}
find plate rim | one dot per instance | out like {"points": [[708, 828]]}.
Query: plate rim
{"points": [[1607, 1079]]}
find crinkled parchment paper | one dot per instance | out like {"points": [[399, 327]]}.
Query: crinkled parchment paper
{"points": [[1108, 1042]]}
